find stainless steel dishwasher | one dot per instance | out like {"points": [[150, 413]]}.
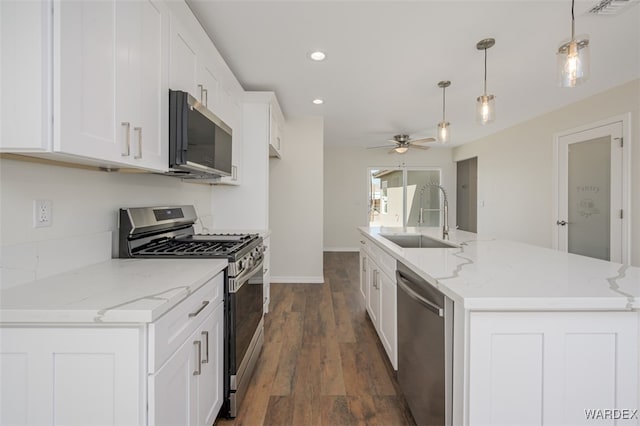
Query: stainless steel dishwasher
{"points": [[425, 349]]}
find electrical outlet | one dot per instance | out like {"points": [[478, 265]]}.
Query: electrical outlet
{"points": [[42, 213]]}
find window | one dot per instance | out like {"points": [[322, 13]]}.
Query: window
{"points": [[404, 196]]}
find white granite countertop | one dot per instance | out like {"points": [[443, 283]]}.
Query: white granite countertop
{"points": [[491, 274], [116, 291]]}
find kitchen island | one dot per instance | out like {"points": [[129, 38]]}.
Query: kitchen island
{"points": [[539, 336], [123, 342]]}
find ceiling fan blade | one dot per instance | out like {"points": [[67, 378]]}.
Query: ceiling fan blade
{"points": [[392, 151], [381, 146], [423, 140], [420, 147]]}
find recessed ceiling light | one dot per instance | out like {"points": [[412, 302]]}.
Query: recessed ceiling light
{"points": [[318, 56], [318, 101]]}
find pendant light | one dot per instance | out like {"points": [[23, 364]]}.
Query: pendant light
{"points": [[573, 58], [485, 105], [443, 126]]}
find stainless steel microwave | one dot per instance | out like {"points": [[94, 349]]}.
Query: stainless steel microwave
{"points": [[199, 142]]}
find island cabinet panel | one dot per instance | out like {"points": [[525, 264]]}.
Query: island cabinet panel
{"points": [[555, 368], [65, 376], [378, 288]]}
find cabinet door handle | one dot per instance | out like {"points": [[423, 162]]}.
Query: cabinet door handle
{"points": [[127, 148], [234, 173], [139, 130], [206, 97], [204, 305], [198, 369], [205, 334], [201, 87]]}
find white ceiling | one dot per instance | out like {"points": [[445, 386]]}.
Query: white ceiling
{"points": [[385, 58]]}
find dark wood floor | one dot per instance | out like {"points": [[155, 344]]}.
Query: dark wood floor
{"points": [[322, 362]]}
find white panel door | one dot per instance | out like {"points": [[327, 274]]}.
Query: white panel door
{"points": [[172, 390], [25, 70], [389, 318], [151, 81], [85, 52], [373, 295], [71, 376], [209, 383], [183, 60], [590, 193]]}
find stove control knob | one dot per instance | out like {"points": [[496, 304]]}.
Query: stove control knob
{"points": [[240, 265]]}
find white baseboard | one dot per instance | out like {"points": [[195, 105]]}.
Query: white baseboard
{"points": [[298, 280], [341, 249]]}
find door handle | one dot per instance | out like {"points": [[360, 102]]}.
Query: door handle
{"points": [[198, 369], [562, 222], [205, 334]]}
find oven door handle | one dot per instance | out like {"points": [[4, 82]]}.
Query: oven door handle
{"points": [[239, 281]]}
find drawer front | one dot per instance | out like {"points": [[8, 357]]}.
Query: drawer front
{"points": [[172, 329], [384, 260]]}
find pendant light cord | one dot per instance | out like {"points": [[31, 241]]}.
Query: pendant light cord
{"points": [[573, 22], [485, 71], [443, 89]]}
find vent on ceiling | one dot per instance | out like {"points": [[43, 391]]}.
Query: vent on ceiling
{"points": [[611, 7]]}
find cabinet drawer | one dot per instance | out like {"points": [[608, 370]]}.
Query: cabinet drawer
{"points": [[384, 260], [171, 330]]}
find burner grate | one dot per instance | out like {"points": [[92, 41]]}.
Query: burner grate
{"points": [[197, 245]]}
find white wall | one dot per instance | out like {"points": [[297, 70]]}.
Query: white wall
{"points": [[345, 187], [515, 168], [85, 220], [295, 203]]}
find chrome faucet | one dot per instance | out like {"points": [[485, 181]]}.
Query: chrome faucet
{"points": [[445, 209]]}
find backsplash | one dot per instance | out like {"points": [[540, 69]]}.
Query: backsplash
{"points": [[85, 204]]}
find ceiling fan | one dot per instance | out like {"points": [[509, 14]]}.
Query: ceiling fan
{"points": [[404, 142]]}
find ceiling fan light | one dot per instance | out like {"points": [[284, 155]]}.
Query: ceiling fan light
{"points": [[401, 149], [485, 109], [443, 132], [573, 62]]}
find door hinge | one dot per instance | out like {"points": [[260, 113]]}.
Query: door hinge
{"points": [[621, 214], [621, 141]]}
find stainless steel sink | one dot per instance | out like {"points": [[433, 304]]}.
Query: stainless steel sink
{"points": [[417, 241]]}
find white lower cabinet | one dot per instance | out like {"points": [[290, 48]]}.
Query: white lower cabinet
{"points": [[168, 372], [380, 295], [71, 376], [552, 368], [187, 389]]}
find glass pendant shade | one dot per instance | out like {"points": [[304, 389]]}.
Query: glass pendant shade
{"points": [[401, 149], [443, 126], [485, 104], [485, 109], [573, 63], [443, 132]]}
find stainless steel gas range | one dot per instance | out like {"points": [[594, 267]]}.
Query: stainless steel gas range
{"points": [[168, 232]]}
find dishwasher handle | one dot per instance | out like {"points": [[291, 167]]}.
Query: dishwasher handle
{"points": [[402, 283]]}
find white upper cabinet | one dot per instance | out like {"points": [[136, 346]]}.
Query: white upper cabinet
{"points": [[107, 72], [109, 101], [276, 129], [25, 55], [196, 67]]}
